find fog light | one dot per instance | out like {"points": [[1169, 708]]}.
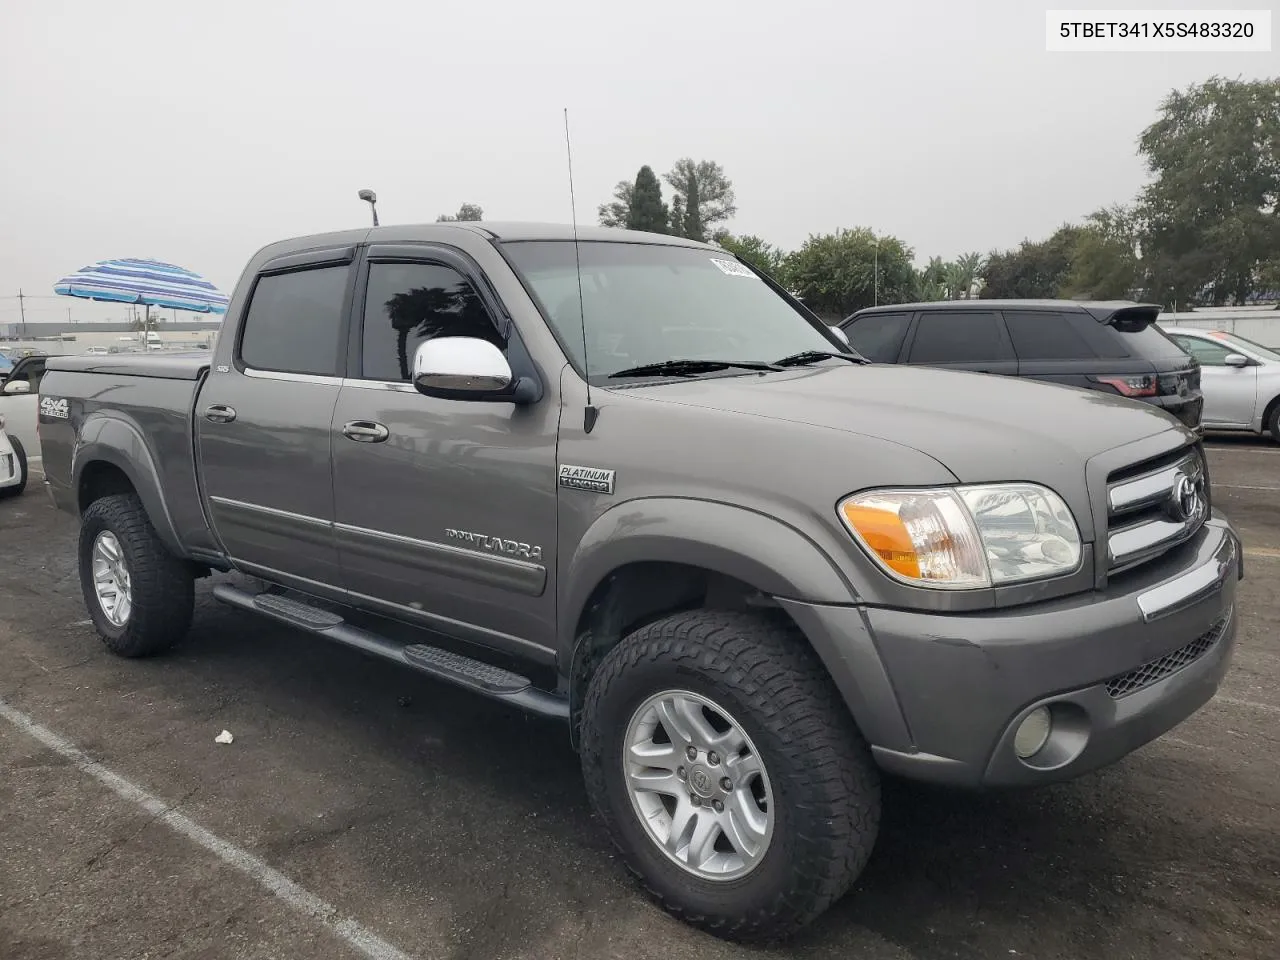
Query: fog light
{"points": [[1033, 733]]}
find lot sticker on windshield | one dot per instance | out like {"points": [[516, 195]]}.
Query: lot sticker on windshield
{"points": [[732, 268]]}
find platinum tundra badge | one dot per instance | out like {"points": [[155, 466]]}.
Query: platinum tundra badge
{"points": [[586, 478]]}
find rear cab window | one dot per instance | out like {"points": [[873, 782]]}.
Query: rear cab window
{"points": [[294, 322]]}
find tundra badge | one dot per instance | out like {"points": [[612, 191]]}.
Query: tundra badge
{"points": [[586, 478]]}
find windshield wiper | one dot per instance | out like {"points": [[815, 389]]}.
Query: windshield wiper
{"points": [[689, 368], [813, 356]]}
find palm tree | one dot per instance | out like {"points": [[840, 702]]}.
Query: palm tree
{"points": [[431, 312], [970, 270]]}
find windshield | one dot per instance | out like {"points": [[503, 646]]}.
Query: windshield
{"points": [[1251, 345], [649, 303]]}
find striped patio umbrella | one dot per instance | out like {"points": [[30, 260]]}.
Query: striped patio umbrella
{"points": [[149, 283]]}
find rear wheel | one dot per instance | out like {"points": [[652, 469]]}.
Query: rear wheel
{"points": [[20, 461], [139, 595], [1273, 422], [728, 772]]}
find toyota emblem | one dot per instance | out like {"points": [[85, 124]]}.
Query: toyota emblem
{"points": [[1188, 497]]}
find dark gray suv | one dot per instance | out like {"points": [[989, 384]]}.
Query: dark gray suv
{"points": [[1112, 347]]}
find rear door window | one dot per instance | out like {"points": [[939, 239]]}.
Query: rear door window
{"points": [[879, 336], [1046, 335], [294, 322], [968, 336]]}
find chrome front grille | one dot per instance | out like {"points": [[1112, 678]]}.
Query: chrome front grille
{"points": [[1153, 507]]}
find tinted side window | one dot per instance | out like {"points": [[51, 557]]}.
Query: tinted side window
{"points": [[410, 303], [878, 336], [1209, 354], [958, 337], [1043, 335], [294, 322]]}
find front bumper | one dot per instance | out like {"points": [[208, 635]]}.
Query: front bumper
{"points": [[939, 697]]}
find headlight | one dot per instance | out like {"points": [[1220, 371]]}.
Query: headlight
{"points": [[966, 537]]}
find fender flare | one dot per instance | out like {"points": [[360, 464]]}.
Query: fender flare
{"points": [[770, 555], [111, 439]]}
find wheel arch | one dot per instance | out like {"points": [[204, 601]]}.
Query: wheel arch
{"points": [[649, 558], [112, 457]]}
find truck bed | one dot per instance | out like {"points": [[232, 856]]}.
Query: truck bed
{"points": [[139, 403], [167, 366]]}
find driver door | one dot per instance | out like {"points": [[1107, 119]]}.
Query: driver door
{"points": [[445, 510]]}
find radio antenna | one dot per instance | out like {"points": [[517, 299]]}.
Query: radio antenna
{"points": [[590, 413]]}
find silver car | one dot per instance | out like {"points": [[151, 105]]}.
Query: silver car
{"points": [[1240, 379]]}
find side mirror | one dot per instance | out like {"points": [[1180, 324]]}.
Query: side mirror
{"points": [[1236, 360], [842, 337], [465, 368], [17, 386]]}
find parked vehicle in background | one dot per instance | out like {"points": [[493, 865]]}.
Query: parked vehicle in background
{"points": [[1240, 379], [6, 361], [629, 483], [19, 400], [1115, 348], [13, 464]]}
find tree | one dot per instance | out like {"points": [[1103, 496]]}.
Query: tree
{"points": [[968, 275], [469, 212], [1210, 215], [693, 222], [677, 216], [836, 274], [1033, 271], [646, 211], [714, 191], [763, 256], [616, 211], [1104, 258]]}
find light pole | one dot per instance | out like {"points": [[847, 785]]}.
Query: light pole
{"points": [[371, 198], [875, 283]]}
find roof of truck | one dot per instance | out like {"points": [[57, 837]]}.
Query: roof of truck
{"points": [[494, 230]]}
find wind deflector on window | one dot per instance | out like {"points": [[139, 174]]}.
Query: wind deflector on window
{"points": [[1125, 317]]}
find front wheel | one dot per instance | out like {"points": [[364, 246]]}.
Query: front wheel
{"points": [[1273, 423], [728, 772], [139, 595]]}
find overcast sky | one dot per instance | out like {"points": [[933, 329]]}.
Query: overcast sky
{"points": [[195, 133]]}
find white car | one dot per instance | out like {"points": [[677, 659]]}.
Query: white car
{"points": [[13, 465], [1240, 379], [19, 402]]}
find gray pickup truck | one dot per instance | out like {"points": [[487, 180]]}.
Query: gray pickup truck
{"points": [[630, 483]]}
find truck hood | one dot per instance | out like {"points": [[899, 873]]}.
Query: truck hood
{"points": [[980, 427]]}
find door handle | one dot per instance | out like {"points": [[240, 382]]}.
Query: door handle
{"points": [[365, 431], [219, 413]]}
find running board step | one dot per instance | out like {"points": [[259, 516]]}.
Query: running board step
{"points": [[454, 668]]}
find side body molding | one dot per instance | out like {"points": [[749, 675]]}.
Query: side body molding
{"points": [[111, 439]]}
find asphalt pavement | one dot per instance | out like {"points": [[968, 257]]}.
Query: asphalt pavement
{"points": [[367, 812]]}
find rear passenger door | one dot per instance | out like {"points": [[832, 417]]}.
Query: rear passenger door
{"points": [[972, 340], [263, 424]]}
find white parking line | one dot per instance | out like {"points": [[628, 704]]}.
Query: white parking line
{"points": [[1240, 486], [363, 941]]}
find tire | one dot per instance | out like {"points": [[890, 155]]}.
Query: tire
{"points": [[160, 587], [21, 456], [759, 673], [1273, 422]]}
